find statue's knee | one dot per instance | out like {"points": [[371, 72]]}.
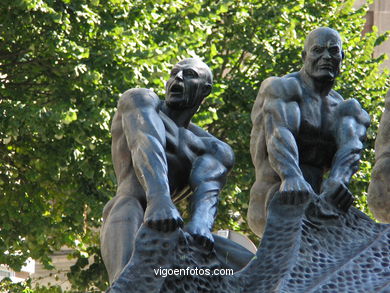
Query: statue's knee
{"points": [[222, 153], [256, 223], [207, 169], [257, 217]]}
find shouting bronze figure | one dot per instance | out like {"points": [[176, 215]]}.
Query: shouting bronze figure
{"points": [[160, 157]]}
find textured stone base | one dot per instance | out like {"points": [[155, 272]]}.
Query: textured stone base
{"points": [[307, 247]]}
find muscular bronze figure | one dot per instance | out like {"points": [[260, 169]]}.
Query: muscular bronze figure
{"points": [[379, 188], [303, 130], [160, 157]]}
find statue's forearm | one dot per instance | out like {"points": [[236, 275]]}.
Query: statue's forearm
{"points": [[345, 164], [150, 165], [204, 203], [281, 121], [351, 126], [145, 136], [283, 153]]}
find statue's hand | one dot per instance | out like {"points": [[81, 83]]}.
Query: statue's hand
{"points": [[296, 190], [336, 193], [201, 234], [162, 215]]}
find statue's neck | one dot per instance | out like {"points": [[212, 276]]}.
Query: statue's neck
{"points": [[181, 117], [321, 87]]}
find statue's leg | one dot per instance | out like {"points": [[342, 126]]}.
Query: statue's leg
{"points": [[261, 194], [206, 179], [122, 217], [231, 254]]}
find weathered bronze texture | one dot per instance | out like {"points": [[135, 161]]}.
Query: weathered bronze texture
{"points": [[379, 188], [299, 252], [160, 157], [313, 241], [303, 129]]}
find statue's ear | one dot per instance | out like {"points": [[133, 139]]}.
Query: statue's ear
{"points": [[342, 54], [303, 55], [207, 89]]}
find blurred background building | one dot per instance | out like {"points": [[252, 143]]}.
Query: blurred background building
{"points": [[379, 16]]}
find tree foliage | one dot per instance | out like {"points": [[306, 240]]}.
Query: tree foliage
{"points": [[64, 63]]}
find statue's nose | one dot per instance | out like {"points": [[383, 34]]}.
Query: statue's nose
{"points": [[179, 75], [326, 55]]}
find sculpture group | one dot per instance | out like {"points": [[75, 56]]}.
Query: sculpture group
{"points": [[302, 130]]}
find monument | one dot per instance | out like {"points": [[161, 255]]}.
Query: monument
{"points": [[312, 239]]}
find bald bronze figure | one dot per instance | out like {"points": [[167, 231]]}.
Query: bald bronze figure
{"points": [[161, 157], [303, 130]]}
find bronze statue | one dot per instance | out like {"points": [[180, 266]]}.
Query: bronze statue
{"points": [[303, 129], [313, 241], [379, 188], [160, 157]]}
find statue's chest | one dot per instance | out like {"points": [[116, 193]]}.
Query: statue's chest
{"points": [[316, 141], [179, 169], [317, 116]]}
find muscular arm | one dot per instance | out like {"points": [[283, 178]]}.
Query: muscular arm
{"points": [[145, 135], [281, 121], [352, 122]]}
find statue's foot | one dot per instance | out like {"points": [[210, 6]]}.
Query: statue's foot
{"points": [[321, 211], [201, 234], [294, 198], [337, 194], [341, 200], [163, 216]]}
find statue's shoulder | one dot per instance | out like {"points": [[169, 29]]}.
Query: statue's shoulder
{"points": [[138, 98], [335, 97], [287, 88], [198, 131], [351, 107]]}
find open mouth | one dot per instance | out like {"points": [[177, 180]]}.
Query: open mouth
{"points": [[176, 88]]}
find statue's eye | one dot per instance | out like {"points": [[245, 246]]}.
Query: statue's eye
{"points": [[189, 73], [318, 50], [334, 50]]}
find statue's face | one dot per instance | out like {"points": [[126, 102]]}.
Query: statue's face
{"points": [[323, 55], [188, 85]]}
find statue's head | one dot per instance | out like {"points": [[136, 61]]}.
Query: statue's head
{"points": [[190, 82], [323, 54]]}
